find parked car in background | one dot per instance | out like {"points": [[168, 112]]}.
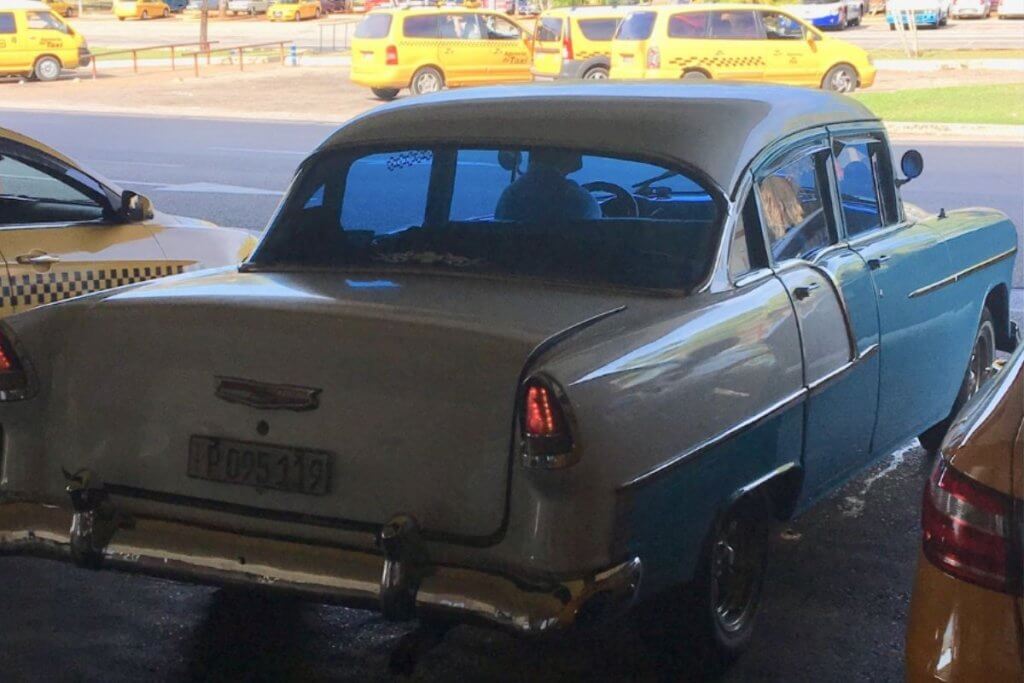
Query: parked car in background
{"points": [[967, 606], [575, 42], [735, 42], [177, 6], [251, 7], [62, 7], [38, 44], [65, 232], [638, 351], [294, 10], [200, 5], [926, 13], [140, 9], [1011, 9], [828, 14], [979, 9], [426, 49], [333, 6]]}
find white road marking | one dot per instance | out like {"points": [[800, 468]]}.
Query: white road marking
{"points": [[202, 188], [256, 150]]}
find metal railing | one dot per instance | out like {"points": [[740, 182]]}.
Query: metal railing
{"points": [[240, 49], [332, 46], [134, 52]]}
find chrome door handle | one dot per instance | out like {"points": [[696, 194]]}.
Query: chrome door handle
{"points": [[38, 259], [877, 262], [804, 291]]}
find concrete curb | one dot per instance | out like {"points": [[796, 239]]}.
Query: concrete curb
{"points": [[961, 132], [949, 64]]}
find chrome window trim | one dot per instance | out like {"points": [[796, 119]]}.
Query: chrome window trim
{"points": [[960, 274], [818, 386]]}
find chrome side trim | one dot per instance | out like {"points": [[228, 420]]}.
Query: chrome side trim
{"points": [[819, 385], [959, 275], [696, 451]]}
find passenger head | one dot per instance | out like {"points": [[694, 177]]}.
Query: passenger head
{"points": [[560, 160], [781, 205]]}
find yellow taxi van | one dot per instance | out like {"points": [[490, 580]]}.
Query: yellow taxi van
{"points": [[37, 43], [295, 10], [64, 9], [735, 42], [427, 48], [140, 9], [575, 42]]}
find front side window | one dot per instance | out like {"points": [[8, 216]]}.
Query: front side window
{"points": [[497, 28], [461, 27], [532, 212], [780, 27], [637, 26], [734, 25], [793, 208], [688, 25], [375, 26], [7, 23], [29, 195], [549, 30], [43, 20], [866, 191], [598, 29]]}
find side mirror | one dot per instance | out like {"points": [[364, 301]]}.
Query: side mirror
{"points": [[136, 207], [912, 165]]}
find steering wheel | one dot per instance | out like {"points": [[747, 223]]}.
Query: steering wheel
{"points": [[621, 205]]}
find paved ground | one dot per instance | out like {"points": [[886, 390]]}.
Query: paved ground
{"points": [[104, 30], [840, 577]]}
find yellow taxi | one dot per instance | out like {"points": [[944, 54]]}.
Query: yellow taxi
{"points": [[64, 9], [65, 232], [735, 42], [967, 607], [37, 43], [575, 42], [426, 49], [295, 10], [140, 9]]}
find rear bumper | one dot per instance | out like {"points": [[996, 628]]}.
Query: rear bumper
{"points": [[323, 573], [386, 77]]}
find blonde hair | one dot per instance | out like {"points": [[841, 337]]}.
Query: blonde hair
{"points": [[780, 204]]}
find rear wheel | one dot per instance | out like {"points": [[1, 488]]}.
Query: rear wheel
{"points": [[983, 354], [297, 17], [145, 14], [47, 69], [426, 80], [840, 78], [598, 73], [385, 93], [166, 13], [696, 76]]}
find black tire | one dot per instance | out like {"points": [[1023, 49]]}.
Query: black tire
{"points": [[982, 354], [386, 94], [696, 76], [145, 14], [892, 27], [47, 68], [426, 80], [702, 625], [597, 73], [841, 78], [166, 13]]}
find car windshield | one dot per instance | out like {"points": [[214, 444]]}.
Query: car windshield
{"points": [[545, 213]]}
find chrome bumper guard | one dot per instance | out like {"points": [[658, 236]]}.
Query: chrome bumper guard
{"points": [[103, 540]]}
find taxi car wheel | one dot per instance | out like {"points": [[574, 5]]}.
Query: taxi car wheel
{"points": [[166, 13], [297, 17], [598, 73], [145, 14], [47, 69], [696, 76], [426, 80], [840, 78], [983, 354], [316, 15], [385, 93], [120, 18]]}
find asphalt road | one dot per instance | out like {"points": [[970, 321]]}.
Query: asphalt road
{"points": [[840, 576]]}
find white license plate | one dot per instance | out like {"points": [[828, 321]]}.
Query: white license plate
{"points": [[260, 465]]}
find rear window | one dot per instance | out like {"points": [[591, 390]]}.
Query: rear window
{"points": [[549, 30], [7, 23], [598, 29], [637, 26], [531, 212], [689, 25], [374, 26]]}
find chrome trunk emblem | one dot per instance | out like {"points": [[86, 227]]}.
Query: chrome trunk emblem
{"points": [[265, 396]]}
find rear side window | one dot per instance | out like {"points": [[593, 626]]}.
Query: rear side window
{"points": [[374, 26], [549, 30], [637, 26], [420, 27], [7, 23], [689, 25], [598, 29], [793, 208], [735, 25]]}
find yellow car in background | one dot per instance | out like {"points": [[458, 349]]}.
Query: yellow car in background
{"points": [[426, 49], [65, 232], [35, 42], [64, 9], [140, 9], [575, 42], [295, 10], [735, 42], [967, 607]]}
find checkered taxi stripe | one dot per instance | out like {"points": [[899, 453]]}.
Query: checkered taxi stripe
{"points": [[34, 289], [717, 62]]}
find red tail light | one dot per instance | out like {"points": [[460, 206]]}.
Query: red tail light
{"points": [[567, 42], [653, 58], [547, 440], [391, 55], [968, 531], [13, 381]]}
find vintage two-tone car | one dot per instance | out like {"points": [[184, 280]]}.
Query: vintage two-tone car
{"points": [[65, 231], [527, 374]]}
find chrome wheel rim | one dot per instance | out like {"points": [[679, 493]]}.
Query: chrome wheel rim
{"points": [[982, 357], [842, 81], [597, 75], [427, 82], [48, 70], [736, 559]]}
